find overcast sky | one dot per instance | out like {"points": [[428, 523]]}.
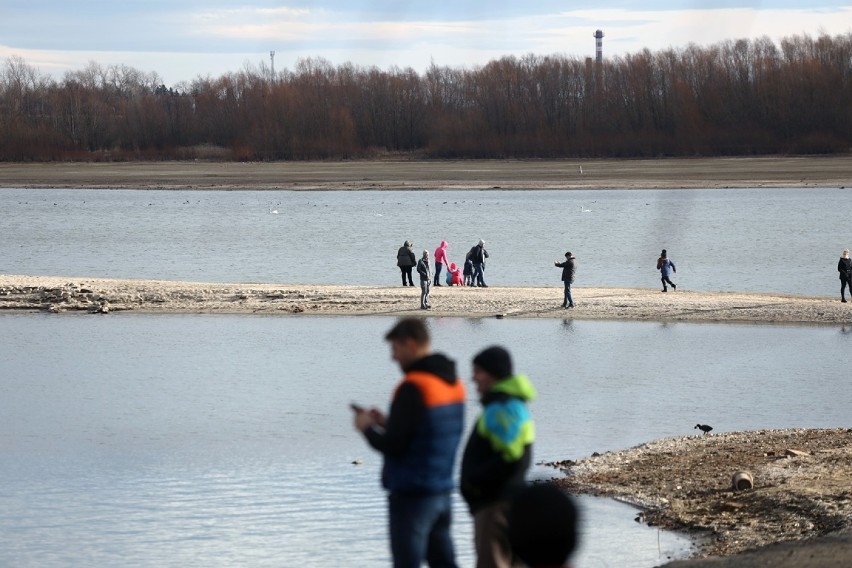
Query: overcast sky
{"points": [[183, 39]]}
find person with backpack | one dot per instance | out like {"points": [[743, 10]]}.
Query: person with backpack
{"points": [[478, 254], [666, 267]]}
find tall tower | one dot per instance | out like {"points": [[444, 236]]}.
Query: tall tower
{"points": [[599, 46], [272, 61]]}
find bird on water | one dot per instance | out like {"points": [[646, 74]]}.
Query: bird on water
{"points": [[703, 427]]}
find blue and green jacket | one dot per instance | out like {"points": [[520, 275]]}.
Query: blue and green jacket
{"points": [[423, 429], [499, 450]]}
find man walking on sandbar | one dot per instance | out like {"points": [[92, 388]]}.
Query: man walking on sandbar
{"points": [[568, 268]]}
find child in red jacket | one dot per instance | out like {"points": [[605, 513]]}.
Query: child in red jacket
{"points": [[456, 278]]}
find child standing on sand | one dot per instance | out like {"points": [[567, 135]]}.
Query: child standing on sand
{"points": [[468, 270]]}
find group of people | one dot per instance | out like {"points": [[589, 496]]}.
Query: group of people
{"points": [[418, 439], [472, 273], [474, 267]]}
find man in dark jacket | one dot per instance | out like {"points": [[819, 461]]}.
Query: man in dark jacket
{"points": [[478, 254], [568, 269], [425, 272], [844, 267], [498, 454], [418, 440]]}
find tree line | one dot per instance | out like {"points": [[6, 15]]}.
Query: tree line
{"points": [[741, 97]]}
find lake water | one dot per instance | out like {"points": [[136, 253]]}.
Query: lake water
{"points": [[186, 440], [211, 440], [772, 240]]}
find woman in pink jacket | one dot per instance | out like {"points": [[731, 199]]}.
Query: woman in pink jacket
{"points": [[440, 261]]}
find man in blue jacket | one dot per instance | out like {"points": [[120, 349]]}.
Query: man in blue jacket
{"points": [[498, 454], [418, 440]]}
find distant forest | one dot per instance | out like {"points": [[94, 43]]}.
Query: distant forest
{"points": [[741, 97]]}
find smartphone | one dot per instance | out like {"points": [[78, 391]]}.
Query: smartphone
{"points": [[356, 407]]}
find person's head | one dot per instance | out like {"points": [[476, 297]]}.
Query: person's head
{"points": [[543, 525], [663, 254], [568, 254], [845, 253], [426, 254], [409, 340], [444, 244], [481, 243], [490, 366], [408, 244]]}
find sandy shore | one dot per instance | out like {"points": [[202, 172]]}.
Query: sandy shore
{"points": [[801, 491], [772, 171], [102, 295]]}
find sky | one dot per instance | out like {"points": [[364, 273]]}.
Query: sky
{"points": [[182, 40]]}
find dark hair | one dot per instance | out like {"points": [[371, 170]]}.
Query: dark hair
{"points": [[409, 328], [543, 525]]}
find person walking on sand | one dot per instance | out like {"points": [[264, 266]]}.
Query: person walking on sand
{"points": [[497, 455], [478, 254], [844, 267], [568, 267], [666, 267], [440, 261], [406, 260], [425, 272], [418, 440]]}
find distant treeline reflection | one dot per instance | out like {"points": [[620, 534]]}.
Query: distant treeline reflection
{"points": [[734, 98]]}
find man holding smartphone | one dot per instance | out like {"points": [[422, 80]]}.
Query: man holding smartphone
{"points": [[418, 439]]}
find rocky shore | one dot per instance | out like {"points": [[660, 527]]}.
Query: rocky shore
{"points": [[101, 295], [801, 489]]}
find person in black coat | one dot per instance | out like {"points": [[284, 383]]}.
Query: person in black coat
{"points": [[568, 267], [844, 267], [406, 261]]}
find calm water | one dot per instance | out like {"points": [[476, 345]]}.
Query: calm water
{"points": [[178, 440], [785, 240]]}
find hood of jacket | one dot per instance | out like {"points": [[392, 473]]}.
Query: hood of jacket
{"points": [[518, 386], [438, 364]]}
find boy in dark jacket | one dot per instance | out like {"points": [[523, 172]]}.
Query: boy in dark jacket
{"points": [[498, 453]]}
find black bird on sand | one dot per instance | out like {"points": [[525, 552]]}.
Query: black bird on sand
{"points": [[703, 427]]}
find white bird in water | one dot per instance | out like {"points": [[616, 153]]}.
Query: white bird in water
{"points": [[273, 211], [584, 210], [581, 169]]}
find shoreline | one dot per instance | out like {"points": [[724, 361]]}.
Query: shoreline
{"points": [[413, 174], [57, 294], [799, 503]]}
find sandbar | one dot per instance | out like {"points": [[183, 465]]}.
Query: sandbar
{"points": [[108, 295]]}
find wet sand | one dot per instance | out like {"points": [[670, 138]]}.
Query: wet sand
{"points": [[772, 171], [800, 494]]}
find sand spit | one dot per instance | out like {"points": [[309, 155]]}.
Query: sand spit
{"points": [[801, 490], [101, 295]]}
